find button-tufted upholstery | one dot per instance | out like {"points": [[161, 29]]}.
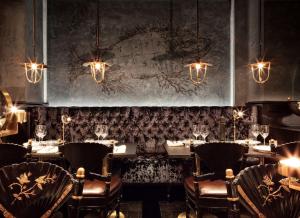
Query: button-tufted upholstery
{"points": [[148, 127]]}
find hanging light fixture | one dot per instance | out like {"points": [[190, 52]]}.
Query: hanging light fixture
{"points": [[198, 69], [261, 69], [34, 70], [97, 66]]}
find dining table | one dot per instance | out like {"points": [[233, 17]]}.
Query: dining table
{"points": [[183, 150], [51, 149]]}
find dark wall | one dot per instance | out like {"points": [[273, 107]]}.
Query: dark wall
{"points": [[136, 40], [16, 48]]}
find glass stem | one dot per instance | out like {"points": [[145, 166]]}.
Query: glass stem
{"points": [[264, 141]]}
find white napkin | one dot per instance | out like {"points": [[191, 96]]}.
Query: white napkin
{"points": [[248, 142], [104, 142], [263, 148], [174, 143], [120, 149], [47, 149]]}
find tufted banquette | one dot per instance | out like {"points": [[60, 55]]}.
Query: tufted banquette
{"points": [[148, 127]]}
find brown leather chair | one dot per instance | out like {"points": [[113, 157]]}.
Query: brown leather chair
{"points": [[96, 187], [264, 193], [208, 191], [11, 153], [33, 190]]}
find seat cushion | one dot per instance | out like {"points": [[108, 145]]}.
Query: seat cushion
{"points": [[207, 187], [96, 187]]}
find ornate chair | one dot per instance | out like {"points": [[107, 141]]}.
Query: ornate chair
{"points": [[35, 189], [96, 189], [11, 153], [208, 191], [264, 193]]}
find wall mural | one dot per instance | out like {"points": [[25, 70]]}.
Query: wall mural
{"points": [[147, 56]]}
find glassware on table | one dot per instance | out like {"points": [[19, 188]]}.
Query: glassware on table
{"points": [[255, 130], [204, 131], [264, 132], [196, 131], [104, 131], [98, 131], [40, 132]]}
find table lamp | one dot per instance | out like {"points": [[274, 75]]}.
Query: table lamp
{"points": [[290, 168]]}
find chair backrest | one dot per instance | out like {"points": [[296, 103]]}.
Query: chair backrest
{"points": [[11, 153], [288, 149], [90, 156], [29, 190], [219, 156], [263, 193]]}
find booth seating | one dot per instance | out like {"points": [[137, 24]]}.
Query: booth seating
{"points": [[147, 127]]}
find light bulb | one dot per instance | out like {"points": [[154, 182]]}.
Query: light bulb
{"points": [[33, 66], [198, 66], [260, 65], [97, 66]]}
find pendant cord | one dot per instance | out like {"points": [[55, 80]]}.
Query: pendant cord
{"points": [[198, 41], [171, 26], [260, 29], [33, 29], [98, 29]]}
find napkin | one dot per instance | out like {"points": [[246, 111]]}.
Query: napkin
{"points": [[175, 143], [104, 142], [47, 149], [120, 149]]}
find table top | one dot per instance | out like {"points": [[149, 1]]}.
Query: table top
{"points": [[129, 153], [184, 152]]}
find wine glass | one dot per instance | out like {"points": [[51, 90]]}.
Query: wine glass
{"points": [[196, 131], [98, 131], [204, 131], [40, 132], [104, 131], [255, 130], [264, 132]]}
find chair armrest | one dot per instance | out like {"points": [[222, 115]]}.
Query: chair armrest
{"points": [[105, 178], [233, 200], [202, 177]]}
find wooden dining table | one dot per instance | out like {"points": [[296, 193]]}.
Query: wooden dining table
{"points": [[184, 152], [130, 152]]}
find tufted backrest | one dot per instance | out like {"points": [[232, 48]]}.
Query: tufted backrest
{"points": [[145, 126]]}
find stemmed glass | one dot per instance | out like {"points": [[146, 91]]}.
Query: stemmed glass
{"points": [[101, 130], [40, 132], [264, 132], [98, 131], [255, 130], [204, 131], [196, 131], [104, 132]]}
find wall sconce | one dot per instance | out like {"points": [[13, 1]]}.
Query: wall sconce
{"points": [[298, 105], [65, 119], [20, 114], [290, 168], [237, 114], [261, 71]]}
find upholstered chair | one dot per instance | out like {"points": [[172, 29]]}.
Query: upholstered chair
{"points": [[264, 193], [208, 191], [11, 153], [97, 188], [34, 189]]}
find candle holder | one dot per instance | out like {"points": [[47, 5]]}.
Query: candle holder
{"points": [[65, 119], [237, 114]]}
